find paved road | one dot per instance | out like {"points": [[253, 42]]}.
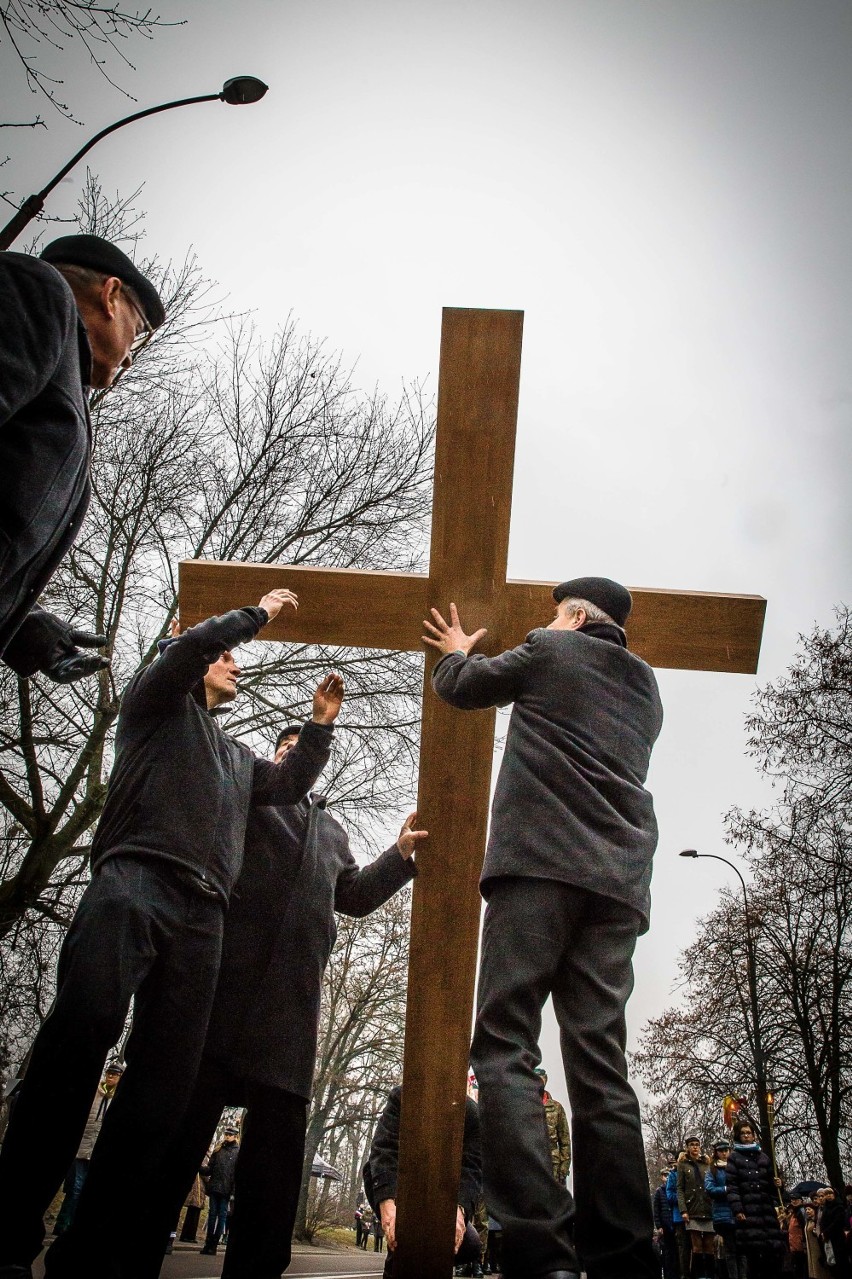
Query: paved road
{"points": [[316, 1262], [319, 1263]]}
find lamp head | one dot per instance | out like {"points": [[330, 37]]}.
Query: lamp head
{"points": [[689, 852], [242, 89]]}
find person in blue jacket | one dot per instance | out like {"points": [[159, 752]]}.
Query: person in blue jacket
{"points": [[715, 1183], [684, 1248]]}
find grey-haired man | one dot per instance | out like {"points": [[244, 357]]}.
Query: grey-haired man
{"points": [[566, 878]]}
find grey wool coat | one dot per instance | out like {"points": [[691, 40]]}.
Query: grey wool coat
{"points": [[279, 931], [570, 803]]}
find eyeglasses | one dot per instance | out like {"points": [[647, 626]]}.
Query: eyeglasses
{"points": [[143, 328]]}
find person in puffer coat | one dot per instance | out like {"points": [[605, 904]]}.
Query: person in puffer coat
{"points": [[751, 1198]]}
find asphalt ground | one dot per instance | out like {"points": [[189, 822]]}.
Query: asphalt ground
{"points": [[186, 1262]]}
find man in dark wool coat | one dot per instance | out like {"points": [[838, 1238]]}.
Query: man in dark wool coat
{"points": [[262, 1039], [70, 322], [165, 857], [566, 879]]}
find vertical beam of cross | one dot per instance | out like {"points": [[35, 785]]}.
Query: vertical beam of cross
{"points": [[475, 446]]}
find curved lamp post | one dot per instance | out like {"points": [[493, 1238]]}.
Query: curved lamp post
{"points": [[238, 91], [763, 1093]]}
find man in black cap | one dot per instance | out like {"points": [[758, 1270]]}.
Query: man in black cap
{"points": [[165, 857], [70, 321], [566, 879]]}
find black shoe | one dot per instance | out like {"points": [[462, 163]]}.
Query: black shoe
{"points": [[207, 1252]]}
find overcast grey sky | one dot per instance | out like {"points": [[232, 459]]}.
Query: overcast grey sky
{"points": [[663, 187]]}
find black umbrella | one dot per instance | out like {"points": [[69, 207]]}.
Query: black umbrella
{"points": [[320, 1168], [804, 1189]]}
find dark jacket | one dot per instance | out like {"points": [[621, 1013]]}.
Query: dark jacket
{"points": [[220, 1169], [715, 1183], [382, 1166], [751, 1191], [45, 446], [180, 788], [663, 1219], [570, 803], [692, 1198], [279, 931]]}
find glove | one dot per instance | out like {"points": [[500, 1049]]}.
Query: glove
{"points": [[72, 664]]}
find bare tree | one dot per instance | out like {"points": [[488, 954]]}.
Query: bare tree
{"points": [[800, 856], [240, 450], [40, 32], [359, 1056]]}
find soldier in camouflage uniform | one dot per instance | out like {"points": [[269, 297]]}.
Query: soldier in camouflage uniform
{"points": [[557, 1130]]}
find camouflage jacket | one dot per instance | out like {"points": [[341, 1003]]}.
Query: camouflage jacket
{"points": [[560, 1136]]}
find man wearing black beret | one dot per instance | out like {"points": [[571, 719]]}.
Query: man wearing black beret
{"points": [[566, 879], [70, 321]]}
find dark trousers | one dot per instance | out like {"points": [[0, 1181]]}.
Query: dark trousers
{"points": [[217, 1219], [268, 1175], [139, 930], [73, 1186], [545, 938], [730, 1259], [668, 1254]]}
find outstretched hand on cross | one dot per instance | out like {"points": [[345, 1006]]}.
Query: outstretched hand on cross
{"points": [[450, 638]]}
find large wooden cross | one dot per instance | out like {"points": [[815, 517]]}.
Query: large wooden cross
{"points": [[474, 455]]}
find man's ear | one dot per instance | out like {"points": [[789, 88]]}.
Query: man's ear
{"points": [[108, 296]]}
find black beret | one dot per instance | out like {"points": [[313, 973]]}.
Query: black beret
{"points": [[613, 598], [99, 255]]}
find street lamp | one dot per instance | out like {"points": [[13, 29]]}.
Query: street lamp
{"points": [[763, 1093], [238, 91]]}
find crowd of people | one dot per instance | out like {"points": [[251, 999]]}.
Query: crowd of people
{"points": [[726, 1214]]}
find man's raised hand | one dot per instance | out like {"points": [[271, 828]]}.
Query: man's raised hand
{"points": [[275, 601], [407, 841], [328, 699], [449, 637]]}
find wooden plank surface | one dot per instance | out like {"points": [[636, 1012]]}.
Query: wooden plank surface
{"points": [[686, 630], [474, 453], [337, 607]]}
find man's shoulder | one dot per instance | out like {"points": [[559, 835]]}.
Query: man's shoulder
{"points": [[38, 281]]}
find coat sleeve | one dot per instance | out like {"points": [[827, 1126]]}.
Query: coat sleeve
{"points": [[732, 1188], [361, 890], [159, 688], [384, 1151], [470, 1181], [475, 682], [39, 316], [681, 1196], [290, 781], [714, 1190], [657, 1207]]}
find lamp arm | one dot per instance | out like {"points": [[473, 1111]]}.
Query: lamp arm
{"points": [[34, 204]]}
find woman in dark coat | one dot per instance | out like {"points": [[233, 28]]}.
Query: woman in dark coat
{"points": [[751, 1190]]}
